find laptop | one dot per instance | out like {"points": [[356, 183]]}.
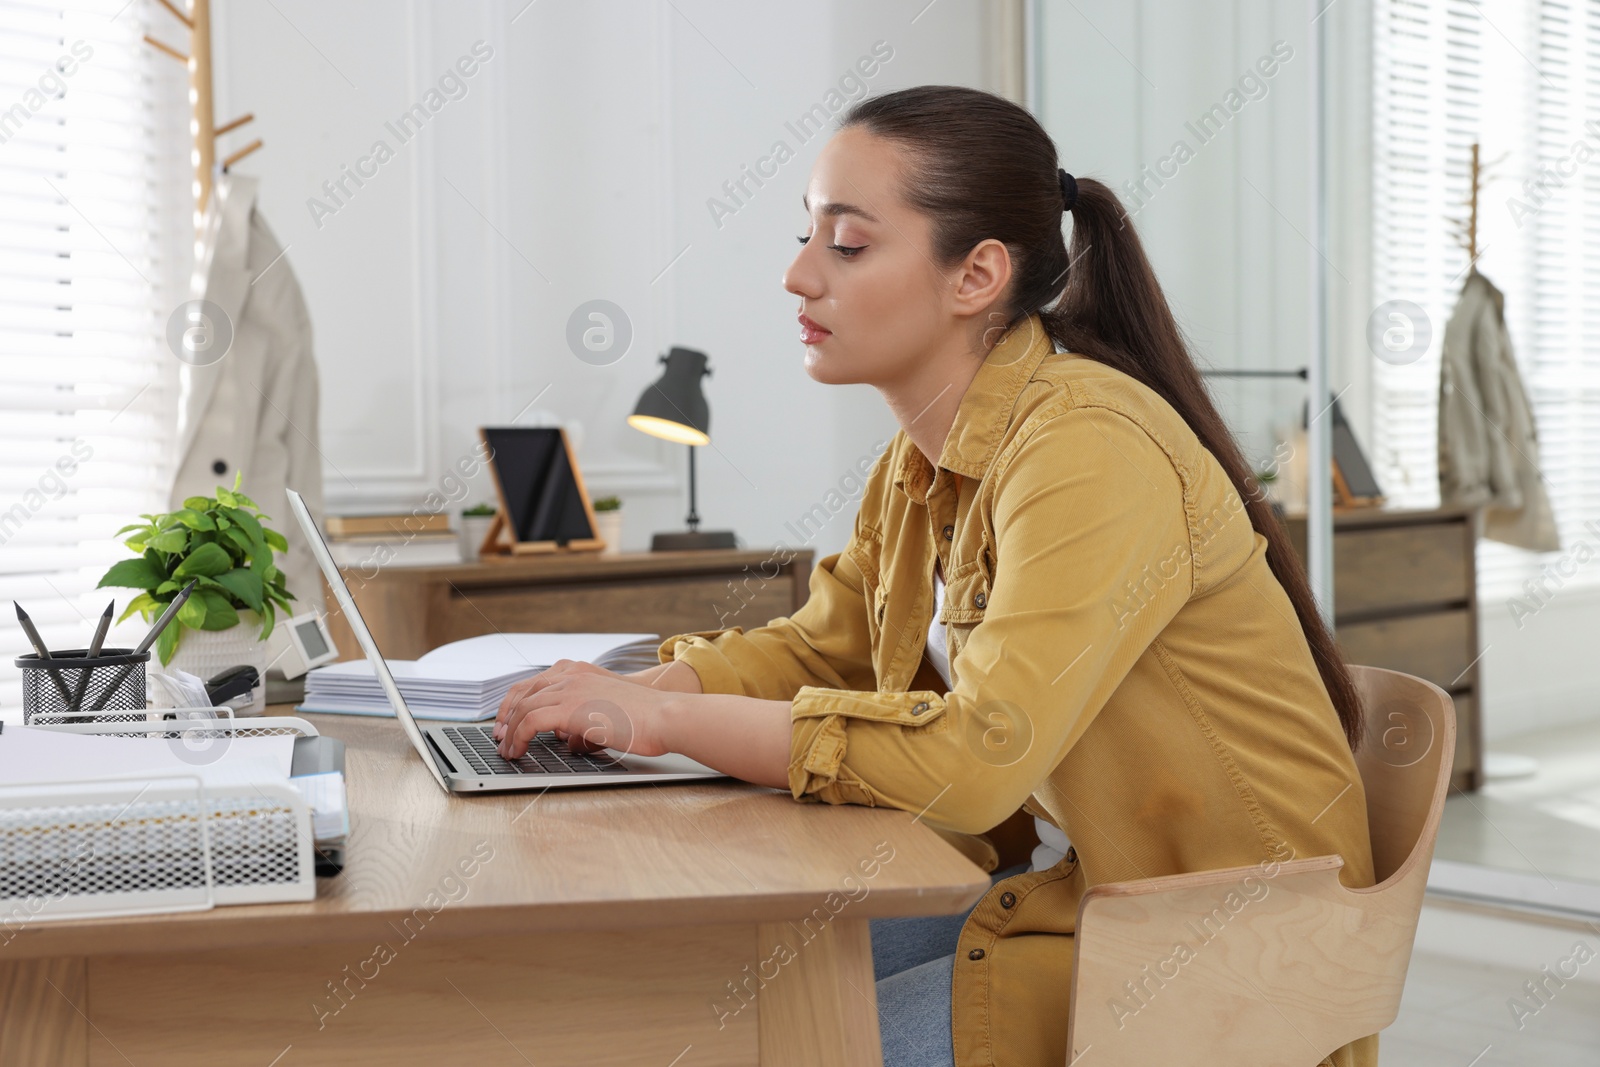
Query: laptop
{"points": [[464, 757]]}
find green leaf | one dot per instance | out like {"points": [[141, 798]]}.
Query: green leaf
{"points": [[267, 619], [244, 584], [167, 643], [224, 496], [199, 503], [144, 602], [240, 539], [132, 574], [173, 541], [238, 478], [209, 560], [132, 526], [275, 539], [195, 520], [220, 615], [168, 586], [193, 612], [223, 523], [251, 526]]}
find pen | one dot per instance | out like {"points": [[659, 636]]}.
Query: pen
{"points": [[94, 650], [44, 653], [148, 640]]}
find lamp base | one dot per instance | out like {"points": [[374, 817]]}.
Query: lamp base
{"points": [[692, 541]]}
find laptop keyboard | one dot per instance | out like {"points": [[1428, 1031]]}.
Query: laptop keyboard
{"points": [[547, 754]]}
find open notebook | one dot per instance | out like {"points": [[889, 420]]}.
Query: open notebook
{"points": [[465, 681]]}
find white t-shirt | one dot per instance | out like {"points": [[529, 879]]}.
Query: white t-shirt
{"points": [[1053, 843]]}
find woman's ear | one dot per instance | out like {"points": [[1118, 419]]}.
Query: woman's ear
{"points": [[981, 279]]}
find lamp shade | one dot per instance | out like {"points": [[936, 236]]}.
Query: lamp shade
{"points": [[674, 406]]}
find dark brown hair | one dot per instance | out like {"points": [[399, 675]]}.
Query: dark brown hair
{"points": [[982, 167]]}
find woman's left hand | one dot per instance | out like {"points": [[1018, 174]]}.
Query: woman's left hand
{"points": [[590, 711]]}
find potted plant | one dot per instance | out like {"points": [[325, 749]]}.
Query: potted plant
{"points": [[608, 523], [475, 522], [220, 542]]}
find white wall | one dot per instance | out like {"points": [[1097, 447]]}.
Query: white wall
{"points": [[1124, 82], [577, 166]]}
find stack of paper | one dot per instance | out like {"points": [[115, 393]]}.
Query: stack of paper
{"points": [[463, 681], [444, 691]]}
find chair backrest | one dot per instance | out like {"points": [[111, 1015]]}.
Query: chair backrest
{"points": [[1280, 964], [1405, 762]]}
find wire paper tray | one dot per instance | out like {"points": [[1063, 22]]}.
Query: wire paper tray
{"points": [[187, 722], [77, 850]]}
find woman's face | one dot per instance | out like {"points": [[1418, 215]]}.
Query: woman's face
{"points": [[865, 276]]}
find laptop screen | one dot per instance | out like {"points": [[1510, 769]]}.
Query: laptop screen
{"points": [[341, 592]]}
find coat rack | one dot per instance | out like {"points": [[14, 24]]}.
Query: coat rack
{"points": [[1466, 230], [202, 122]]}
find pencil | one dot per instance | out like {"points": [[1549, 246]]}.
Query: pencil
{"points": [[44, 653], [94, 650], [148, 640]]}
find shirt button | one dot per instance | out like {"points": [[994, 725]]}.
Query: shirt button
{"points": [[975, 954], [1072, 854], [920, 708], [980, 600], [949, 533], [1007, 899]]}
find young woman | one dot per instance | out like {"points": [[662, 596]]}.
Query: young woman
{"points": [[1062, 591]]}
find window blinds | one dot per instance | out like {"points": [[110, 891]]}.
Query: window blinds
{"points": [[1521, 77], [95, 208]]}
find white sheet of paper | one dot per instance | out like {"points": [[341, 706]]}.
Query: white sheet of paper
{"points": [[534, 650], [34, 754]]}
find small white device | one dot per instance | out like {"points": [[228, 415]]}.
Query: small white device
{"points": [[300, 643]]}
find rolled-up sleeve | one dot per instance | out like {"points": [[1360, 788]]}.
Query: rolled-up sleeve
{"points": [[824, 643], [1093, 556]]}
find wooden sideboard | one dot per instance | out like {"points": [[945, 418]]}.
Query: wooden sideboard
{"points": [[411, 610], [1405, 597]]}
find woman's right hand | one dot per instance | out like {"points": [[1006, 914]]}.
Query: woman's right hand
{"points": [[674, 677]]}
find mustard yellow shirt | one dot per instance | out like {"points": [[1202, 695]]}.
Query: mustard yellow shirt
{"points": [[1124, 664]]}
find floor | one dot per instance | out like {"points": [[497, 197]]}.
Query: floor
{"points": [[1468, 969], [1467, 1001], [1534, 838]]}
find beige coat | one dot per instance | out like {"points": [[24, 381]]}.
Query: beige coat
{"points": [[255, 410], [1488, 442]]}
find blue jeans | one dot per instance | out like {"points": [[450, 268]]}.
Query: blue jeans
{"points": [[913, 961]]}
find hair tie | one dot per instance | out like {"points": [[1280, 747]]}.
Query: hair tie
{"points": [[1069, 189]]}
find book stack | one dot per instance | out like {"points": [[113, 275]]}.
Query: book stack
{"points": [[465, 681], [404, 540]]}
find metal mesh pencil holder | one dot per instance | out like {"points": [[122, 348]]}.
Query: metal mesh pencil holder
{"points": [[75, 687]]}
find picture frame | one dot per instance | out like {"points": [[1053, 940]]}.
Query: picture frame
{"points": [[543, 504]]}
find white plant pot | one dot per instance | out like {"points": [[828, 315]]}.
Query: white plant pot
{"points": [[204, 653], [608, 527], [474, 528]]}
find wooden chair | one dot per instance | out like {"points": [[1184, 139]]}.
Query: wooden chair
{"points": [[1283, 964]]}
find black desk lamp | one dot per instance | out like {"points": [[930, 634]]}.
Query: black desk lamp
{"points": [[674, 408]]}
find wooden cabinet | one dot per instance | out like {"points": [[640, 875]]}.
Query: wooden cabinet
{"points": [[1405, 598], [411, 610]]}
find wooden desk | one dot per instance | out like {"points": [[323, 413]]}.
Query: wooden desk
{"points": [[412, 610], [688, 925]]}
